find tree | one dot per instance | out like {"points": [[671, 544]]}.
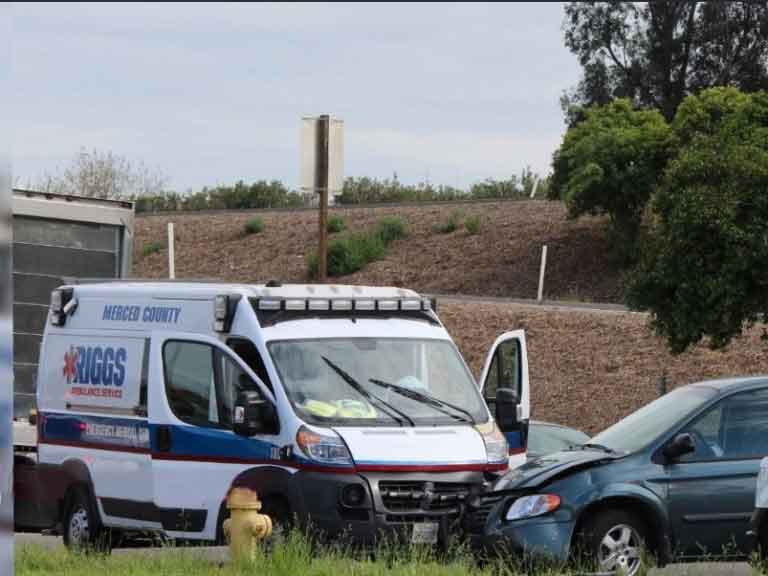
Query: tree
{"points": [[702, 271], [105, 175], [610, 163], [655, 53]]}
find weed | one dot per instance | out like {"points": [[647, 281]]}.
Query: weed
{"points": [[253, 226], [151, 248], [451, 225], [336, 224], [473, 224]]}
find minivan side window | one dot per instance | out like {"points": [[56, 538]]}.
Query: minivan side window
{"points": [[733, 429], [202, 383]]}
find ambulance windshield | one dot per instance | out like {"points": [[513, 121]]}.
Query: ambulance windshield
{"points": [[378, 382]]}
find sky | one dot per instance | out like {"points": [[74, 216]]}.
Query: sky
{"points": [[209, 94]]}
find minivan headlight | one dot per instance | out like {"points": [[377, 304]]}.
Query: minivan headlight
{"points": [[323, 448], [530, 506]]}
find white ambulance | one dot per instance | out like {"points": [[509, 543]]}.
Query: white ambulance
{"points": [[348, 407]]}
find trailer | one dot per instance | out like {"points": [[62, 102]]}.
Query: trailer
{"points": [[56, 240]]}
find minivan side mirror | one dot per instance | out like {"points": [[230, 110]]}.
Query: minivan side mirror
{"points": [[506, 409], [680, 445], [253, 415]]}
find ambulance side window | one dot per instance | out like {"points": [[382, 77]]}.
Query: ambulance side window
{"points": [[190, 381], [250, 355]]}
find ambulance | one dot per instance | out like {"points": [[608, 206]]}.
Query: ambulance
{"points": [[346, 408]]}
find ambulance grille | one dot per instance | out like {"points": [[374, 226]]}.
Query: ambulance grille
{"points": [[413, 496]]}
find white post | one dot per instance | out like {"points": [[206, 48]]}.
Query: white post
{"points": [[171, 261], [535, 187], [541, 272]]}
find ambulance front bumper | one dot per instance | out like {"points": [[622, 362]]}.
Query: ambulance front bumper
{"points": [[391, 503]]}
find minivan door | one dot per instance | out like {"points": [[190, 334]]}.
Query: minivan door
{"points": [[195, 452], [504, 382]]}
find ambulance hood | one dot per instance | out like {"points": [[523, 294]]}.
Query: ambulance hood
{"points": [[428, 447]]}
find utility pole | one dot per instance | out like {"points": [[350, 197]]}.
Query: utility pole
{"points": [[321, 185]]}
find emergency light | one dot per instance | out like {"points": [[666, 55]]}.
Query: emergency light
{"points": [[62, 304], [346, 304], [224, 306]]}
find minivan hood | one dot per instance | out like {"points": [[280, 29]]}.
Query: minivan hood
{"points": [[544, 468], [451, 446]]}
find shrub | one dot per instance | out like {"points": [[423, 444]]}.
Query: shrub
{"points": [[390, 228], [351, 253], [151, 248], [336, 224], [451, 225], [254, 226], [472, 224]]}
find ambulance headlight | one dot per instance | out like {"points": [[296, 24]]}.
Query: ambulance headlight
{"points": [[323, 448], [496, 447]]}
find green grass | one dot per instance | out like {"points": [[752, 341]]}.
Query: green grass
{"points": [[451, 225], [253, 226], [336, 224], [289, 556], [350, 253], [292, 556], [151, 248], [472, 224]]}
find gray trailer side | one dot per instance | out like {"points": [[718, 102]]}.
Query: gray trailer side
{"points": [[57, 237]]}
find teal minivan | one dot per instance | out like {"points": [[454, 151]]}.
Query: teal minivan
{"points": [[676, 478]]}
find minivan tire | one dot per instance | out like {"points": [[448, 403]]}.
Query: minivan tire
{"points": [[615, 540], [81, 526]]}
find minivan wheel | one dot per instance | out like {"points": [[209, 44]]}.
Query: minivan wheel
{"points": [[615, 541], [81, 527]]}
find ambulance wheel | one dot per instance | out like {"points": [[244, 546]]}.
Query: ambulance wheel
{"points": [[81, 526], [279, 511]]}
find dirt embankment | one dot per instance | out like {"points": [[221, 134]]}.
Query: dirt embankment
{"points": [[502, 260], [589, 369]]}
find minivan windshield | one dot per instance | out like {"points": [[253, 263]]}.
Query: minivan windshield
{"points": [[652, 420], [377, 382]]}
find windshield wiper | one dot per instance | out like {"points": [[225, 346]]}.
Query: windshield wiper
{"points": [[363, 392], [599, 447], [436, 403]]}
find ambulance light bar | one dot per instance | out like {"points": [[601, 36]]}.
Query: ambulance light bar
{"points": [[346, 304]]}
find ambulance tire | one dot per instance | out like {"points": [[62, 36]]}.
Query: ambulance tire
{"points": [[279, 511], [82, 529], [221, 540]]}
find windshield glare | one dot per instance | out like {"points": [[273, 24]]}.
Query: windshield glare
{"points": [[372, 381], [646, 424]]}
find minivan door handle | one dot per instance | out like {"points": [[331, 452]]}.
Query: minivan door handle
{"points": [[163, 438]]}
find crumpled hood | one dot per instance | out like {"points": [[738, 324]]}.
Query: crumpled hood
{"points": [[445, 445], [542, 469]]}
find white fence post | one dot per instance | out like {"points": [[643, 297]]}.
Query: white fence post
{"points": [[541, 272], [171, 261]]}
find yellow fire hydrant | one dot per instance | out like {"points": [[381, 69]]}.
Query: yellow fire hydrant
{"points": [[245, 526]]}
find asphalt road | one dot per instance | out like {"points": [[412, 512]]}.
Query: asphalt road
{"points": [[221, 554]]}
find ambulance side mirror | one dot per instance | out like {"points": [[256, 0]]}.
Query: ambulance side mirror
{"points": [[253, 415]]}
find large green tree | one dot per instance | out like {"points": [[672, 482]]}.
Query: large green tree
{"points": [[656, 53], [610, 163], [702, 271]]}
